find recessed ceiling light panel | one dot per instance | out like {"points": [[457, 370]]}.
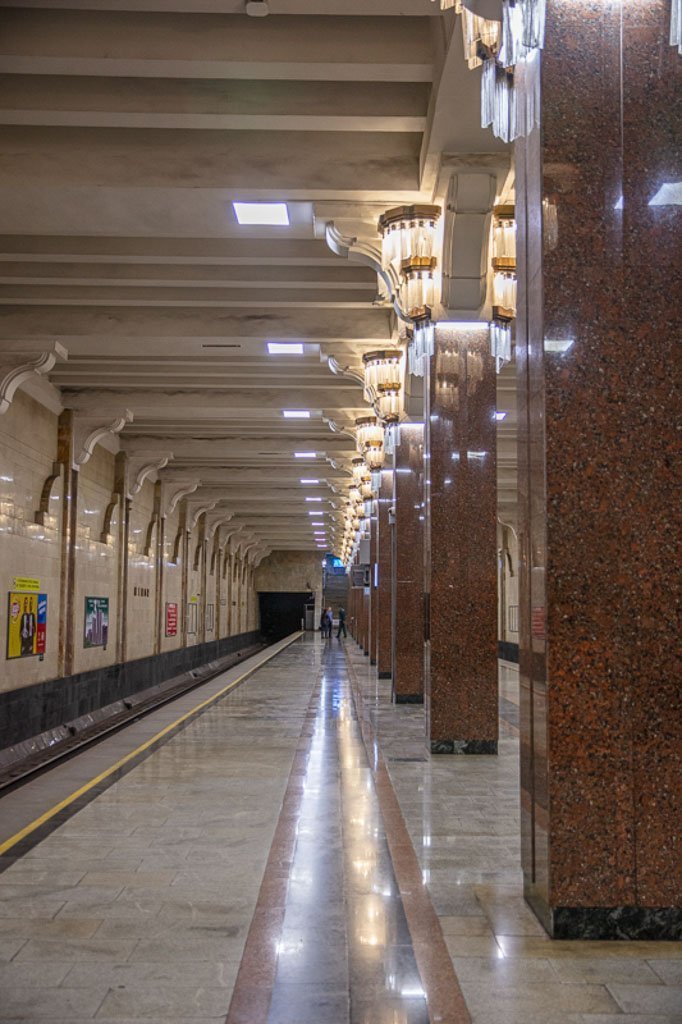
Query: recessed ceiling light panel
{"points": [[295, 414], [262, 214], [285, 348]]}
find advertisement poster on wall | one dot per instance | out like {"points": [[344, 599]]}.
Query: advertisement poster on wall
{"points": [[96, 630], [171, 619], [26, 625]]}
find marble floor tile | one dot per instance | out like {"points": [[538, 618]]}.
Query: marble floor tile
{"points": [[163, 1000], [663, 999]]}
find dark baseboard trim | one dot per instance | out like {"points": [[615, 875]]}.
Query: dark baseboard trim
{"points": [[463, 746], [32, 710], [408, 698], [607, 924], [507, 651], [372, 661], [384, 675], [650, 924]]}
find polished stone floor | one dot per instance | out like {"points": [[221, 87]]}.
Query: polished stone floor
{"points": [[463, 818], [253, 869]]}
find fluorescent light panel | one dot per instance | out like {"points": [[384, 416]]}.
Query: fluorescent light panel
{"points": [[313, 499], [309, 480], [295, 414], [264, 214], [305, 455], [285, 348]]}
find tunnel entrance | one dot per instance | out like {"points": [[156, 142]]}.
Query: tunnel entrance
{"points": [[281, 613]]}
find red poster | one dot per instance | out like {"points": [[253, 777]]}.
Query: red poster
{"points": [[537, 623], [171, 620]]}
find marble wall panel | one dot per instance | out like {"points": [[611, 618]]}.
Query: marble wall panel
{"points": [[172, 579], [96, 561], [600, 708], [142, 581], [461, 548], [28, 449], [408, 566]]}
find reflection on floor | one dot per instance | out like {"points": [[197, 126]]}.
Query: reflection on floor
{"points": [[261, 823], [463, 819]]}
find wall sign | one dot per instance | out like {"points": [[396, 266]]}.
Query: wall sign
{"points": [[171, 619], [25, 583], [26, 625], [360, 575], [96, 626]]}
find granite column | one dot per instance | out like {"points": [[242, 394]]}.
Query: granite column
{"points": [[461, 543], [598, 326], [384, 572], [408, 567]]}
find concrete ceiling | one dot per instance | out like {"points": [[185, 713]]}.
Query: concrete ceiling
{"points": [[128, 128]]}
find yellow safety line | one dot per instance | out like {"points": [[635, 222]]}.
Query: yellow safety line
{"points": [[18, 836]]}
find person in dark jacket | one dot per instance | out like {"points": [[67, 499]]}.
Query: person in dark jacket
{"points": [[342, 624], [325, 625]]}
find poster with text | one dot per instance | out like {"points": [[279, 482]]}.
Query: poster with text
{"points": [[26, 625], [171, 619], [96, 632]]}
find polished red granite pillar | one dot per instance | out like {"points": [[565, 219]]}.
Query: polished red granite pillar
{"points": [[408, 567], [373, 596], [598, 330], [384, 566], [461, 543]]}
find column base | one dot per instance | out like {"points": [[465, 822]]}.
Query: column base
{"points": [[409, 698], [463, 746], [647, 924]]}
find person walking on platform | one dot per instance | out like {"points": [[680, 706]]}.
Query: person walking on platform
{"points": [[324, 623], [342, 624]]}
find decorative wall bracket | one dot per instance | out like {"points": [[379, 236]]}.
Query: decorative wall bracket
{"points": [[215, 519], [43, 510], [336, 429], [142, 465], [174, 490], [344, 371], [196, 508], [18, 366], [356, 251], [89, 430]]}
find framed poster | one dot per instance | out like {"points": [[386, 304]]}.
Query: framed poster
{"points": [[171, 619], [96, 627], [210, 618], [192, 618], [26, 625]]}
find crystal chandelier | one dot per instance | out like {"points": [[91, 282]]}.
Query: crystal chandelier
{"points": [[420, 348], [391, 437], [504, 263], [418, 288], [676, 25], [368, 429], [382, 367], [408, 243], [389, 402], [375, 455], [359, 471], [501, 343], [481, 37]]}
